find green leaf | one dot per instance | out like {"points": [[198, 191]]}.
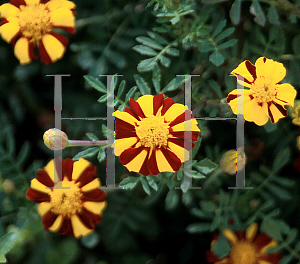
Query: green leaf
{"points": [[216, 58], [121, 88], [219, 28], [198, 228], [208, 206], [196, 148], [173, 52], [267, 205], [156, 78], [216, 87], [91, 136], [281, 159], [2, 259], [235, 12], [172, 199], [144, 50], [90, 241], [130, 93], [90, 152], [227, 44], [7, 242], [256, 10], [95, 83], [269, 127], [227, 32], [102, 99], [205, 166], [286, 259], [101, 154], [157, 38], [175, 20], [173, 85], [283, 181], [270, 227], [149, 42], [278, 191], [164, 61], [273, 15], [291, 236], [22, 156], [296, 45], [145, 185], [152, 182], [142, 85], [146, 65], [222, 246], [129, 182]]}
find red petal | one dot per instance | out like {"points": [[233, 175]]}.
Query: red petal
{"points": [[152, 164], [129, 154], [87, 175], [37, 196], [210, 257], [67, 168], [70, 30], [43, 177], [166, 105], [172, 159], [48, 220], [122, 125], [17, 3], [94, 196], [251, 68], [66, 227], [180, 142], [129, 111], [136, 108], [45, 58], [125, 134], [274, 258], [157, 102], [89, 219], [180, 134], [262, 240], [185, 116], [144, 169]]}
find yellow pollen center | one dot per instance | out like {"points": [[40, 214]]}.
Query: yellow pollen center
{"points": [[34, 21], [153, 131], [263, 89], [243, 252], [66, 198]]}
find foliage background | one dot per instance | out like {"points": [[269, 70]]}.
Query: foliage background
{"points": [[149, 43]]}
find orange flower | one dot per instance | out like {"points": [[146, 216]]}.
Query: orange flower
{"points": [[266, 98], [150, 135], [246, 248], [72, 206], [27, 23]]}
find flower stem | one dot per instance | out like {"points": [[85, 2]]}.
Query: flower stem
{"points": [[77, 143]]}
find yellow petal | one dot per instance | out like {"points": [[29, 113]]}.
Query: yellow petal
{"points": [[32, 2], [255, 113], [94, 184], [269, 68], [230, 236], [137, 162], [287, 93], [233, 103], [43, 208], [187, 124], [7, 10], [95, 207], [251, 232], [264, 262], [162, 163], [146, 103], [36, 185], [179, 151], [223, 261], [53, 47], [9, 30], [79, 228], [272, 244], [78, 167], [275, 113], [174, 111], [242, 70], [62, 17], [125, 117], [123, 143], [54, 4], [21, 51], [57, 224]]}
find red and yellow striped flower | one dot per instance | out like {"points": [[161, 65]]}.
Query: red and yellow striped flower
{"points": [[150, 135], [27, 23], [72, 206], [246, 247], [266, 98]]}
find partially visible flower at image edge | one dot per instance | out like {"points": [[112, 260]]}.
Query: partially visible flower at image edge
{"points": [[72, 206], [30, 23], [150, 135], [266, 98], [246, 247]]}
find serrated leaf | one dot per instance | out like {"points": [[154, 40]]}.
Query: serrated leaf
{"points": [[129, 182], [216, 58], [121, 88], [130, 93], [173, 85], [157, 38], [91, 136], [206, 48], [235, 12], [164, 61], [90, 152], [101, 155], [219, 28], [145, 185], [156, 78], [216, 87], [227, 44], [281, 159], [205, 166], [95, 83], [7, 242], [144, 50], [172, 52], [227, 32], [146, 65], [142, 84], [152, 182], [273, 15], [256, 10], [198, 228], [102, 99], [149, 42]]}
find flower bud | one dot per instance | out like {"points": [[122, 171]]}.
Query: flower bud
{"points": [[233, 161], [8, 186], [295, 113], [55, 139]]}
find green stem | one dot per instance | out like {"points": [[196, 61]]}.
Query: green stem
{"points": [[218, 171], [77, 143]]}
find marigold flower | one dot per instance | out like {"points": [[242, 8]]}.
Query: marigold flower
{"points": [[150, 135], [72, 206], [27, 23], [265, 99], [246, 247]]}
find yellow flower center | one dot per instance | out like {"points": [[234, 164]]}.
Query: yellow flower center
{"points": [[263, 89], [243, 252], [66, 198], [34, 21], [153, 131]]}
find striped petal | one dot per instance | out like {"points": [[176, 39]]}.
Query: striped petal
{"points": [[122, 144], [146, 104], [95, 207], [79, 228], [134, 158], [276, 111], [43, 208], [285, 94], [79, 167], [167, 103], [48, 220], [128, 118], [66, 227], [38, 186], [95, 184], [167, 161], [37, 196], [174, 111], [8, 10], [233, 101], [57, 224], [177, 147], [96, 195], [246, 73]]}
